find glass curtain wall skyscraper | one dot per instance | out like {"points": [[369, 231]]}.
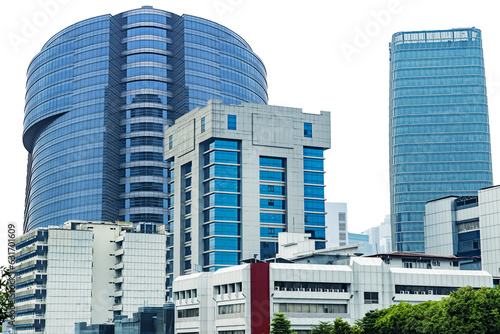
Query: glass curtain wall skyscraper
{"points": [[439, 129], [99, 94]]}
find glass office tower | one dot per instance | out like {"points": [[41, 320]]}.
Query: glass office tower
{"points": [[438, 120], [240, 175], [99, 94]]}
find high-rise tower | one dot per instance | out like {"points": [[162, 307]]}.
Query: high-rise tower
{"points": [[438, 120], [99, 94], [240, 175]]}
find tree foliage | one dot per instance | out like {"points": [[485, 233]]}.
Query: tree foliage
{"points": [[6, 305], [322, 328], [338, 326], [281, 324], [464, 311]]}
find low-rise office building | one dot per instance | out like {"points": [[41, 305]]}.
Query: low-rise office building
{"points": [[467, 227], [242, 299], [86, 272]]}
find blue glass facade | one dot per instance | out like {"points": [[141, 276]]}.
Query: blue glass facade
{"points": [[314, 192], [272, 203], [439, 130], [221, 197], [98, 97]]}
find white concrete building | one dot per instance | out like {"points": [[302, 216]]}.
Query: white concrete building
{"points": [[240, 174], [86, 272], [466, 227], [242, 299], [336, 224]]}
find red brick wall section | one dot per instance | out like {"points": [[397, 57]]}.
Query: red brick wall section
{"points": [[259, 299]]}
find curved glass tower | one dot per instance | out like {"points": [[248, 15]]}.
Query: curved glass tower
{"points": [[99, 94], [439, 130]]}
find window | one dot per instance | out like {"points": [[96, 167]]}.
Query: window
{"points": [[170, 142], [188, 313], [342, 216], [308, 130], [371, 297], [231, 122], [231, 309], [310, 308], [271, 162], [202, 124]]}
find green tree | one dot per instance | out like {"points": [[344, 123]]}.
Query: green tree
{"points": [[464, 311], [6, 305], [367, 323], [322, 328], [472, 311], [342, 327], [281, 324]]}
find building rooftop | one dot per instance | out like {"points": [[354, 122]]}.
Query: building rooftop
{"points": [[409, 255]]}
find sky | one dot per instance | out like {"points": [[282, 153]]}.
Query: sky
{"points": [[319, 54]]}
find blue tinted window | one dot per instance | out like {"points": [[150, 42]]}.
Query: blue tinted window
{"points": [[221, 243], [146, 18], [272, 162], [157, 127], [272, 176], [469, 243], [146, 171], [170, 142], [222, 156], [219, 228], [313, 164], [231, 122], [151, 141], [146, 44], [316, 232], [313, 152], [314, 219], [222, 200], [146, 31], [312, 191], [152, 112], [202, 124], [272, 203], [307, 129], [146, 201], [270, 231], [268, 250], [314, 178], [272, 218], [222, 185], [223, 258], [222, 144], [142, 98], [221, 171], [143, 70], [146, 186], [314, 205], [227, 214], [147, 57], [272, 190], [141, 84], [152, 156]]}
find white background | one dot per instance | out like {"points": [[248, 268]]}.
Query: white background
{"points": [[303, 45]]}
